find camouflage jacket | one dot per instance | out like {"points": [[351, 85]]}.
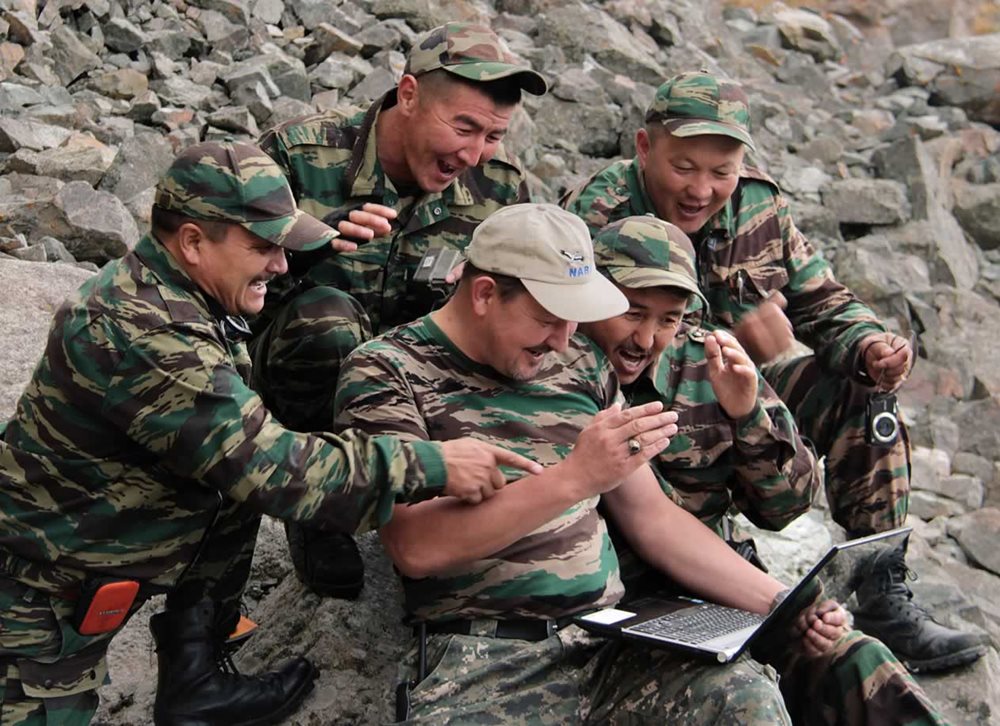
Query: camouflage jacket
{"points": [[414, 383], [748, 250], [137, 418], [759, 462], [332, 165]]}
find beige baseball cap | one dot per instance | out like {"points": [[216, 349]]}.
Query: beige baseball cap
{"points": [[549, 250]]}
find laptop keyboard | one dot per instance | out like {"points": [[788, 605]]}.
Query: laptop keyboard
{"points": [[698, 624]]}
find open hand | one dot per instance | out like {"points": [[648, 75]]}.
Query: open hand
{"points": [[617, 442], [731, 373]]}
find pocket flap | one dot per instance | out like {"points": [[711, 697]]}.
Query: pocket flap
{"points": [[84, 671]]}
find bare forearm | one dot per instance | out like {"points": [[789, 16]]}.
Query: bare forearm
{"points": [[433, 537], [675, 542], [706, 565]]}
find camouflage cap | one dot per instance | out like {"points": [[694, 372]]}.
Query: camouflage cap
{"points": [[645, 251], [698, 103], [473, 52], [237, 182], [549, 250]]}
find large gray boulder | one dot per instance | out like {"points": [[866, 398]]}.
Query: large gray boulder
{"points": [[963, 72], [98, 226], [30, 292]]}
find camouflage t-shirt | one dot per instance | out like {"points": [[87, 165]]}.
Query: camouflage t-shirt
{"points": [[759, 462], [414, 383], [748, 250], [139, 415], [331, 161]]}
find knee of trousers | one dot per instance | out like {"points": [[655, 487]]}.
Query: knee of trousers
{"points": [[324, 307], [315, 329]]}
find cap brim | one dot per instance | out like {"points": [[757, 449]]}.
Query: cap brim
{"points": [[299, 232], [596, 299], [636, 277], [708, 128], [484, 71]]}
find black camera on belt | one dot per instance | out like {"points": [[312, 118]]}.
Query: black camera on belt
{"points": [[881, 419]]}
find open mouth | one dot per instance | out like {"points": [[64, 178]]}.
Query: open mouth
{"points": [[260, 285], [691, 210], [447, 170], [632, 362]]}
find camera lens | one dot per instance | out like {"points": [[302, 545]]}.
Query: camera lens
{"points": [[885, 427]]}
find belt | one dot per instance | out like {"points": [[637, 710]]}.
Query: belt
{"points": [[531, 629]]}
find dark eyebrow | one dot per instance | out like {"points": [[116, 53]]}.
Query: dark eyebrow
{"points": [[470, 121]]}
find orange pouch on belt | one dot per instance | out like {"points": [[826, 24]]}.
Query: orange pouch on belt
{"points": [[103, 605]]}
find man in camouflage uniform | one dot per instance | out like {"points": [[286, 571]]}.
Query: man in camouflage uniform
{"points": [[754, 444], [738, 441], [768, 285], [139, 452], [494, 591], [418, 169]]}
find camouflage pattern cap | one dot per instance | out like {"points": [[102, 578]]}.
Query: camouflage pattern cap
{"points": [[549, 250], [645, 251], [237, 182], [473, 52], [698, 103]]}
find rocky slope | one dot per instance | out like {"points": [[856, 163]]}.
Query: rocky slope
{"points": [[878, 119]]}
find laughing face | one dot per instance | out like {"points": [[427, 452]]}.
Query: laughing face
{"points": [[634, 340], [236, 269], [517, 334], [688, 179], [451, 129]]}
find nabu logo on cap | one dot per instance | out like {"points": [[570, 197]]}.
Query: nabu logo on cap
{"points": [[571, 256]]}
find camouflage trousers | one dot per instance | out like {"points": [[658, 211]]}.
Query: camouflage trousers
{"points": [[49, 673], [867, 485], [858, 682], [575, 678], [297, 355]]}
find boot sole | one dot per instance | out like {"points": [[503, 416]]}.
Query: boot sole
{"points": [[945, 662]]}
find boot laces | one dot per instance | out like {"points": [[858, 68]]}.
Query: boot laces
{"points": [[900, 573], [899, 577], [224, 659]]}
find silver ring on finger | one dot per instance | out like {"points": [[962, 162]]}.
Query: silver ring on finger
{"points": [[634, 447]]}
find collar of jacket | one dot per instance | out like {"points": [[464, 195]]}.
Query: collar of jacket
{"points": [[158, 260]]}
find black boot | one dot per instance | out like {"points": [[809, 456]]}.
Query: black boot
{"points": [[328, 563], [192, 690], [886, 611]]}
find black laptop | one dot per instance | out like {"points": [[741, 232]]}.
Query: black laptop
{"points": [[723, 633]]}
